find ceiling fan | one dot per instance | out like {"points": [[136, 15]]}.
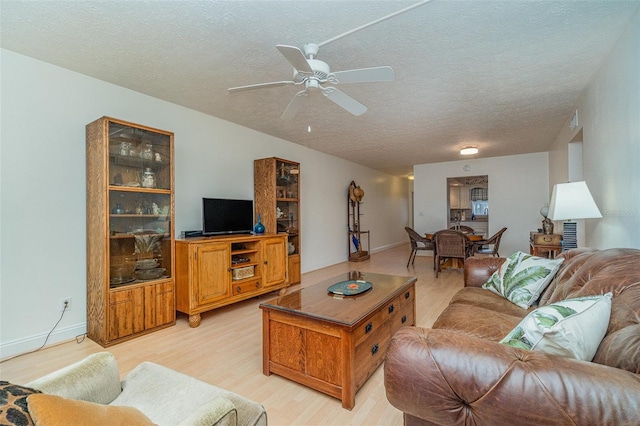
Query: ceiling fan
{"points": [[315, 75]]}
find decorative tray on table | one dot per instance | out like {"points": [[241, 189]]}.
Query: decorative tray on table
{"points": [[350, 287]]}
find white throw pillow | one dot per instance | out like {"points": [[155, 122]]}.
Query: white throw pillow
{"points": [[522, 278], [571, 328]]}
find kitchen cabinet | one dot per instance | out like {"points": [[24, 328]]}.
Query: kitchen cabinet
{"points": [[459, 197]]}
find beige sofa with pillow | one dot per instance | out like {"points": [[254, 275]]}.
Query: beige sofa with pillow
{"points": [[474, 366], [90, 392]]}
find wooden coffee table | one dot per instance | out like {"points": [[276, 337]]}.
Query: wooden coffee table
{"points": [[334, 343]]}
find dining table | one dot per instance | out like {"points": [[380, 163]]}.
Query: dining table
{"points": [[472, 237], [453, 262]]}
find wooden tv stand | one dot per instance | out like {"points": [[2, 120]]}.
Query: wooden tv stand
{"points": [[212, 272]]}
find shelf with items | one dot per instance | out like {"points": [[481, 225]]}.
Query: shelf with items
{"points": [[245, 261], [277, 200], [130, 215]]}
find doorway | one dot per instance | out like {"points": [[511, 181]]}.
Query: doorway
{"points": [[468, 203]]}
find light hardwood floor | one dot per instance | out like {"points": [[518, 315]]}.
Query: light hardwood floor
{"points": [[226, 350]]}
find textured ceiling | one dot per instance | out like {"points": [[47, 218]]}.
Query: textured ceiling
{"points": [[502, 75]]}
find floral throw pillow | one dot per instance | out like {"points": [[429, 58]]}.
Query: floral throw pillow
{"points": [[571, 328], [522, 278]]}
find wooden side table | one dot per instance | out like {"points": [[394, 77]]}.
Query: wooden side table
{"points": [[545, 245]]}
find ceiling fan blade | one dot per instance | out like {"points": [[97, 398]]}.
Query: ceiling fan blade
{"points": [[295, 57], [343, 100], [294, 105], [365, 75], [260, 86]]}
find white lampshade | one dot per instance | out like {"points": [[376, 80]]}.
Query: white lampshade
{"points": [[572, 201]]}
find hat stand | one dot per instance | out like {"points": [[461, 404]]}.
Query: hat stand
{"points": [[357, 247]]}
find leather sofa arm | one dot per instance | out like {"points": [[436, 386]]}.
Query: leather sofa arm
{"points": [[477, 270], [449, 378]]}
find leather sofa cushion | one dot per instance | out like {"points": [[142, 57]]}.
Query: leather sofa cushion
{"points": [[488, 300], [480, 313], [621, 349]]}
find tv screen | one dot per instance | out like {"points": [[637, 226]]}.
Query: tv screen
{"points": [[224, 216]]}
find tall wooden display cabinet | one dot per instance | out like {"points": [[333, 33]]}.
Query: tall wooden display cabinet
{"points": [[277, 203], [130, 220]]}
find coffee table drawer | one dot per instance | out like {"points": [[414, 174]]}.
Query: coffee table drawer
{"points": [[408, 297], [404, 316], [370, 353], [371, 326]]}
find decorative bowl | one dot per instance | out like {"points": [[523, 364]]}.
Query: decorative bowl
{"points": [[122, 272], [146, 263], [150, 274]]}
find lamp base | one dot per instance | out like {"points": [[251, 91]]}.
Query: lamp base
{"points": [[569, 236]]}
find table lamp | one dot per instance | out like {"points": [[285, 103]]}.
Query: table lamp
{"points": [[571, 201]]}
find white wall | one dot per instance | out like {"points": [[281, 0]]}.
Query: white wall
{"points": [[42, 224], [608, 115], [518, 188]]}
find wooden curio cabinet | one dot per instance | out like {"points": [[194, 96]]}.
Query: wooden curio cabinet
{"points": [[130, 220], [277, 201]]}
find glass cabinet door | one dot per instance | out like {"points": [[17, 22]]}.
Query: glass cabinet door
{"points": [[140, 203], [287, 193]]}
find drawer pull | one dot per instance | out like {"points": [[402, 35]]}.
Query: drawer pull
{"points": [[368, 328], [391, 309], [238, 289], [374, 349], [407, 295], [257, 284], [404, 319]]}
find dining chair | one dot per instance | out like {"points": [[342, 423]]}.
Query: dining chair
{"points": [[451, 244], [418, 242], [494, 241]]}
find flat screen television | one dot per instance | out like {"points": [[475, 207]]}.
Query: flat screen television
{"points": [[225, 216]]}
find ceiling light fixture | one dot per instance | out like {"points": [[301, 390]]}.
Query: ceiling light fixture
{"points": [[469, 150]]}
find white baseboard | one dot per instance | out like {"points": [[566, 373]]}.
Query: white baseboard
{"points": [[387, 247], [31, 343]]}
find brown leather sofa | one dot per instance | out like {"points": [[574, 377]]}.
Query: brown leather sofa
{"points": [[456, 373]]}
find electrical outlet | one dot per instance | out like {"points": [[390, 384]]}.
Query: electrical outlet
{"points": [[65, 302]]}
